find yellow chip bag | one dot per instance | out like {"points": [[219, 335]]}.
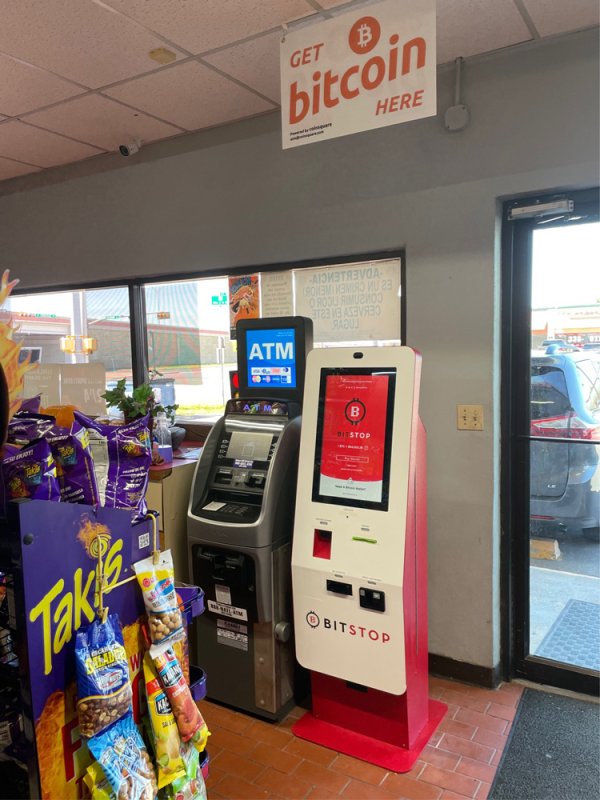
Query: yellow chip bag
{"points": [[97, 783], [170, 764]]}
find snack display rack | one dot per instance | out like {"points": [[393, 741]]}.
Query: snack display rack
{"points": [[50, 585]]}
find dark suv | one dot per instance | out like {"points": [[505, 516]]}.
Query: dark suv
{"points": [[565, 476]]}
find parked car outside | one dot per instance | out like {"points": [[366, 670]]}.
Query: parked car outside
{"points": [[565, 475]]}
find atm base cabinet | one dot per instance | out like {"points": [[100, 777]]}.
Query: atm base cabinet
{"points": [[369, 725]]}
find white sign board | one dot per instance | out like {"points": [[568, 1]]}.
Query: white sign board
{"points": [[276, 294], [77, 384], [371, 67], [353, 302]]}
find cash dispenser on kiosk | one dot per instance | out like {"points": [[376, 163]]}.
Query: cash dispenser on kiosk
{"points": [[359, 563], [240, 522]]}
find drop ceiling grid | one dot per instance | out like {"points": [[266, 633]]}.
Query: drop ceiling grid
{"points": [[552, 18], [81, 68], [190, 95]]}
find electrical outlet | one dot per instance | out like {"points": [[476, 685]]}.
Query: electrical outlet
{"points": [[469, 418]]}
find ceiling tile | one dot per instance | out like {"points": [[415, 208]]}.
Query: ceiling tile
{"points": [[190, 95], [24, 143], [468, 27], [23, 87], [200, 26], [101, 122], [559, 17], [77, 39], [12, 169], [255, 63]]}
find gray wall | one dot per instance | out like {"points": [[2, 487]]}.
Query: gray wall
{"points": [[232, 197]]}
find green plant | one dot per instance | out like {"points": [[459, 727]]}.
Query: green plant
{"points": [[137, 404]]}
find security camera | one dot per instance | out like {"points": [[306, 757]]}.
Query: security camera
{"points": [[130, 149]]}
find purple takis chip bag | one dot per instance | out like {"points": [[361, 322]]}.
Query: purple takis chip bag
{"points": [[29, 473], [122, 457], [74, 464], [25, 427], [30, 405]]}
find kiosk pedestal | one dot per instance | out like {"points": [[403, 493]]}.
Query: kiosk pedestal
{"points": [[359, 564]]}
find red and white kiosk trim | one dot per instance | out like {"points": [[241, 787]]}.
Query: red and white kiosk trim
{"points": [[359, 560]]}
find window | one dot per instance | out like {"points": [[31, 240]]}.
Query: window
{"points": [[78, 343], [191, 353]]}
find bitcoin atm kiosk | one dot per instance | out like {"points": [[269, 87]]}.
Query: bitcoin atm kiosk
{"points": [[359, 564], [240, 522]]}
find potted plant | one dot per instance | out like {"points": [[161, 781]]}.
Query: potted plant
{"points": [[140, 402]]}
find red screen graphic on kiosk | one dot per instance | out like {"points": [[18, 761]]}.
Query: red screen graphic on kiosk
{"points": [[354, 435]]}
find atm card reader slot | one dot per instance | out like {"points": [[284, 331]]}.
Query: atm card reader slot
{"points": [[339, 587], [223, 476], [373, 599]]}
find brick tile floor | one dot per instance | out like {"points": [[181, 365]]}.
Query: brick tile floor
{"points": [[253, 759]]}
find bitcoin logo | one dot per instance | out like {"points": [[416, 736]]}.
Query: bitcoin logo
{"points": [[364, 35]]}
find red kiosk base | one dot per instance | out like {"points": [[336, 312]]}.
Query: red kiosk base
{"points": [[367, 724], [385, 729]]}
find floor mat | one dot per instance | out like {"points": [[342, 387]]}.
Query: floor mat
{"points": [[575, 636], [553, 752]]}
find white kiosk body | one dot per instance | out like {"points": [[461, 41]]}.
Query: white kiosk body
{"points": [[359, 565]]}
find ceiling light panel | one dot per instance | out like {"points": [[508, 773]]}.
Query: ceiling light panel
{"points": [[469, 27], [12, 169], [201, 26], [76, 39], [255, 63], [44, 149], [559, 17], [190, 95], [101, 122], [24, 88]]}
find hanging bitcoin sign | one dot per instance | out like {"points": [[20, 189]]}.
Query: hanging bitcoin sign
{"points": [[369, 68]]}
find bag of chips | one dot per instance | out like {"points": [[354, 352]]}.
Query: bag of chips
{"points": [[191, 786], [157, 582], [165, 735], [103, 686], [74, 464], [31, 472], [97, 783], [121, 753], [31, 405], [190, 722], [26, 427], [122, 457]]}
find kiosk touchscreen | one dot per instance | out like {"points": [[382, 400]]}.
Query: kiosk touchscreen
{"points": [[359, 566], [240, 522]]}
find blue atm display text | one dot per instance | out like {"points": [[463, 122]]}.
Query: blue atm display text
{"points": [[271, 358]]}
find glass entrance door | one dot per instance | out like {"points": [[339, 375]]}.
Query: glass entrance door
{"points": [[555, 450]]}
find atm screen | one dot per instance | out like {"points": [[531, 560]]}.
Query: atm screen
{"points": [[245, 448], [354, 436], [271, 358]]}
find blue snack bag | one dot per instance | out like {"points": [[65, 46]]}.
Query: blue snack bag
{"points": [[121, 753], [103, 686], [74, 464]]}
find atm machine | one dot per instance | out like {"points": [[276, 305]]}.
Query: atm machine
{"points": [[359, 563], [240, 523]]}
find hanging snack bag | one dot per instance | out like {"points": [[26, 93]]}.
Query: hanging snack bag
{"points": [[191, 786], [157, 582], [103, 685], [121, 753], [122, 457], [190, 722], [165, 735], [97, 783], [74, 464], [25, 427], [31, 472]]}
